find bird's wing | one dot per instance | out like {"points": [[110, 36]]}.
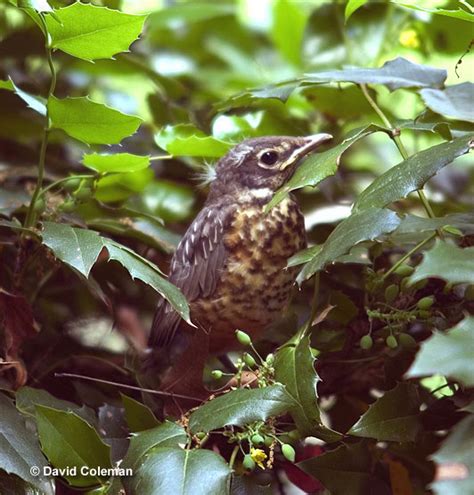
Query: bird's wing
{"points": [[195, 268]]}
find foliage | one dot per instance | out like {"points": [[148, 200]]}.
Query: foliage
{"points": [[109, 111]]}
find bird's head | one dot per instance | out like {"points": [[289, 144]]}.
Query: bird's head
{"points": [[263, 163]]}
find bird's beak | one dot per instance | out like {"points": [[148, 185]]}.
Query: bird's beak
{"points": [[309, 144]]}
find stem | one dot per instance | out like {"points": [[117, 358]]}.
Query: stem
{"points": [[401, 148], [65, 179], [233, 456], [407, 255], [31, 216]]}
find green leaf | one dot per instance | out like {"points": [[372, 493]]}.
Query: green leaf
{"points": [[446, 261], [69, 441], [412, 173], [27, 398], [182, 472], [91, 122], [89, 32], [240, 407], [139, 416], [448, 354], [395, 74], [289, 21], [294, 368], [120, 186], [36, 103], [457, 451], [79, 248], [453, 101], [19, 449], [360, 226], [352, 6], [118, 162], [413, 223], [187, 140], [318, 166], [456, 14], [165, 435], [343, 471], [393, 417]]}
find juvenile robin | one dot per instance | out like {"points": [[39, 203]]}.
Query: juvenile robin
{"points": [[231, 262]]}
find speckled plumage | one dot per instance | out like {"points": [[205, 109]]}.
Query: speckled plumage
{"points": [[231, 262]]}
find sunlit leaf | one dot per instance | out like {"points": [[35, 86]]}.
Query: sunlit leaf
{"points": [[68, 441], [240, 407], [412, 173], [90, 32], [448, 354], [457, 14], [118, 162], [393, 417], [446, 261], [453, 101], [19, 449], [187, 140], [361, 226], [91, 122], [38, 5]]}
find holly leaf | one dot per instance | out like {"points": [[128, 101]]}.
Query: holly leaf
{"points": [[412, 173], [447, 261], [139, 416], [240, 407], [395, 74], [68, 441], [181, 472], [393, 417], [360, 226], [91, 122], [118, 162], [187, 140], [453, 101], [36, 103], [294, 368], [90, 32], [448, 354], [19, 449], [352, 6]]}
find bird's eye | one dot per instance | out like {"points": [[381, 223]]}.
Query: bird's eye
{"points": [[269, 157]]}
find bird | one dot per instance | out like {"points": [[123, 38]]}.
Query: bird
{"points": [[231, 264]]}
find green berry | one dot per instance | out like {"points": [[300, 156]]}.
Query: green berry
{"points": [[391, 342], [404, 270], [257, 440], [268, 440], [71, 184], [248, 463], [391, 293], [200, 435], [249, 360], [366, 342], [68, 206], [216, 374], [407, 341], [83, 193], [294, 435], [243, 338], [425, 302], [270, 359], [289, 452], [452, 230], [39, 205]]}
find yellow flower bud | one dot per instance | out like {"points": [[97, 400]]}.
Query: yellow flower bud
{"points": [[409, 38], [258, 455]]}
